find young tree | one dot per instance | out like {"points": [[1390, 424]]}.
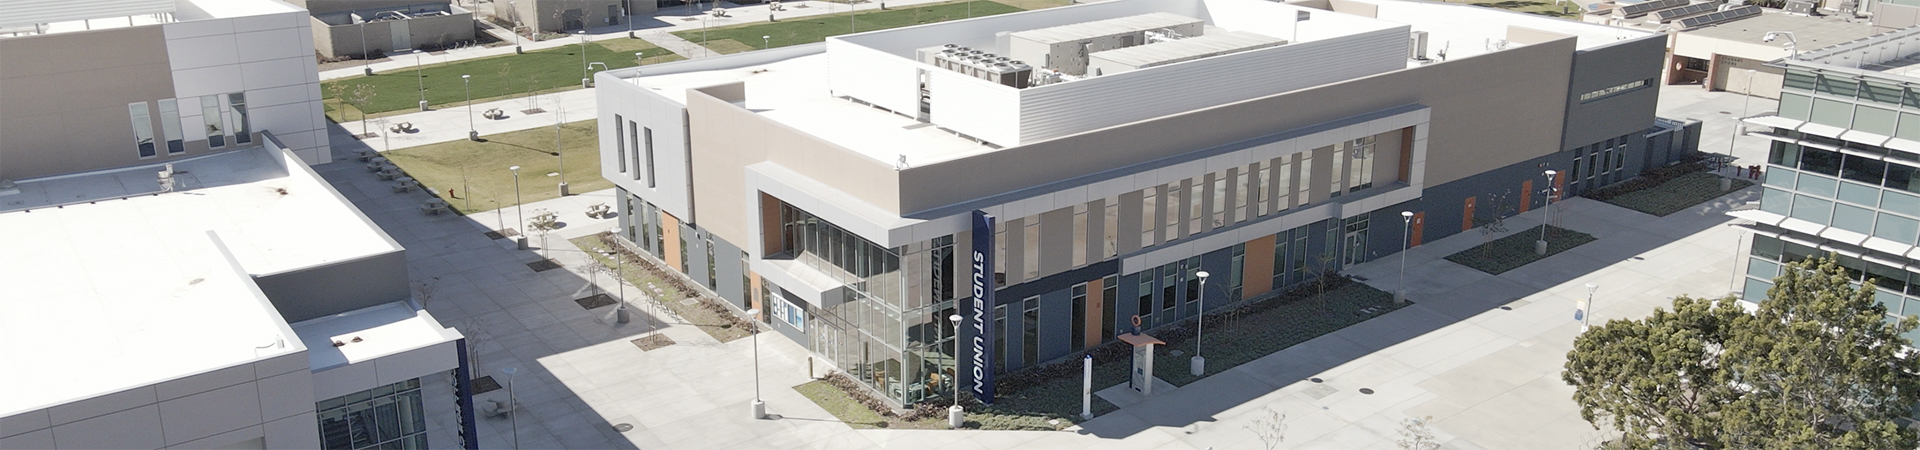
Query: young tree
{"points": [[362, 96], [543, 222], [1272, 429], [1817, 366], [1416, 434]]}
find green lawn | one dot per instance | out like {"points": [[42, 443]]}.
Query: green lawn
{"points": [[1516, 250], [477, 171], [551, 70], [1545, 8], [810, 29]]}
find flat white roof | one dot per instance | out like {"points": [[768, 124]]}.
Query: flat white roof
{"points": [[37, 17], [382, 330], [1466, 30], [794, 92], [1210, 43], [1107, 27], [128, 291]]}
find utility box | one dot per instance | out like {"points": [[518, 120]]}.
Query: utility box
{"points": [[1141, 379]]}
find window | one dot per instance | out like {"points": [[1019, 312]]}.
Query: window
{"points": [[1145, 310], [713, 277], [1078, 339], [142, 129], [1172, 208], [1337, 158], [1111, 228], [746, 281], [1080, 235], [1300, 253], [1196, 204], [210, 113], [1240, 194], [620, 141], [1030, 335], [1636, 84], [241, 132], [1363, 161], [389, 416], [633, 135], [1000, 344], [170, 126], [1234, 272], [1192, 276], [1306, 178], [1220, 206], [1000, 249], [1149, 219], [1865, 170], [1030, 249], [1280, 257], [648, 134], [1169, 292], [1109, 295], [1283, 184], [1820, 161], [1265, 182]]}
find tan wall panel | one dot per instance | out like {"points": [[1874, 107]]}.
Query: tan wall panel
{"points": [[66, 110], [1257, 276], [1096, 311], [771, 233], [727, 138], [670, 242], [1488, 111]]}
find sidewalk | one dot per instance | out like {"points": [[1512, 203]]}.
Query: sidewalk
{"points": [[450, 124], [654, 28]]}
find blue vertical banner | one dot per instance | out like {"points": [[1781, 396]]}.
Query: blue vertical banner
{"points": [[980, 315]]}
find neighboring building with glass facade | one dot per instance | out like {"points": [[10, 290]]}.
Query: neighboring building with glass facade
{"points": [[832, 185], [1843, 174]]}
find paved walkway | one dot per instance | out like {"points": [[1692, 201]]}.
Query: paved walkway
{"points": [[1719, 113], [451, 124]]}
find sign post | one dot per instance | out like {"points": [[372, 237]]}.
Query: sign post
{"points": [[1086, 387], [1142, 372], [983, 286], [1583, 308]]}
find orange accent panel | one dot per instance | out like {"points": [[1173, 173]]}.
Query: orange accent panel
{"points": [[670, 242], [1257, 276], [754, 297], [1559, 186], [1096, 306], [1466, 219], [1419, 223], [1526, 195], [771, 233]]}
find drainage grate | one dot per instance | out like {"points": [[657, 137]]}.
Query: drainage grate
{"points": [[502, 234], [532, 111], [543, 265], [596, 301], [650, 343]]}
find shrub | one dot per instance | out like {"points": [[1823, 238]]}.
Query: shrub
{"points": [[859, 393]]}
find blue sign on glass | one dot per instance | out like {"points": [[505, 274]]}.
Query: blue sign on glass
{"points": [[979, 316]]}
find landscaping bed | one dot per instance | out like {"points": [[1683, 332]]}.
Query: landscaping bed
{"points": [[1516, 250], [1030, 399], [1667, 190], [542, 71], [477, 171], [706, 313], [811, 29]]}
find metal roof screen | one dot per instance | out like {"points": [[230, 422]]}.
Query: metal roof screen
{"points": [[28, 12]]}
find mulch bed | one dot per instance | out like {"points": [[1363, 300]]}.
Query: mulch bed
{"points": [[502, 234], [596, 301], [484, 385], [653, 342], [543, 265], [1516, 250]]}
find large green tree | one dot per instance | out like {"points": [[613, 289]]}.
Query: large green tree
{"points": [[1816, 366]]}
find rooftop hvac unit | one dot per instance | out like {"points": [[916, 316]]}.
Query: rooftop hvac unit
{"points": [[1417, 46]]}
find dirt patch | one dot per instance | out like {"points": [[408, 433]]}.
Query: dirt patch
{"points": [[653, 342], [543, 265], [596, 301]]}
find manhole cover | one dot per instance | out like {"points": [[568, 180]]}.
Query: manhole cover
{"points": [[1320, 392], [1367, 391], [625, 427], [650, 343], [543, 265], [1316, 380], [596, 301]]}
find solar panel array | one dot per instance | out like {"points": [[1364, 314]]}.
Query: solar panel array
{"points": [[1719, 17], [1668, 15], [1641, 9]]}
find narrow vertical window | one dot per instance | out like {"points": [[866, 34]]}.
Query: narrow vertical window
{"points": [[1145, 310], [1280, 258], [1263, 196], [142, 129], [1192, 276], [1109, 297], [649, 137], [1337, 158], [241, 132], [1196, 204], [1080, 235], [1283, 184], [1030, 249], [620, 141], [1000, 345], [1235, 273], [713, 280], [210, 114], [1169, 292], [1149, 219], [170, 126], [633, 135], [1111, 247], [1306, 178], [1078, 339], [1240, 194], [1172, 206], [1220, 205], [1363, 161], [1000, 249]]}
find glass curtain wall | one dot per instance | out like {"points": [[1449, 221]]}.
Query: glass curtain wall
{"points": [[889, 328]]}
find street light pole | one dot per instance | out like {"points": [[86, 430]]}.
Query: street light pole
{"points": [[1586, 316], [366, 58], [466, 81], [560, 152], [514, 8], [627, 16], [956, 415], [1199, 363], [1540, 247], [586, 81], [1726, 184], [513, 402], [759, 406], [421, 78], [521, 242], [1406, 239], [766, 42]]}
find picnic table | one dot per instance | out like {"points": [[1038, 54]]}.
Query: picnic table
{"points": [[434, 206], [376, 163], [403, 184]]}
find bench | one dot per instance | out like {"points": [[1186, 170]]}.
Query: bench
{"points": [[389, 173], [718, 12], [495, 114], [495, 408], [402, 127], [598, 211], [368, 155], [403, 186], [434, 207]]}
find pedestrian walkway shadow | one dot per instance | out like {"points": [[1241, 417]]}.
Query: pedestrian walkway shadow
{"points": [[1623, 235]]}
